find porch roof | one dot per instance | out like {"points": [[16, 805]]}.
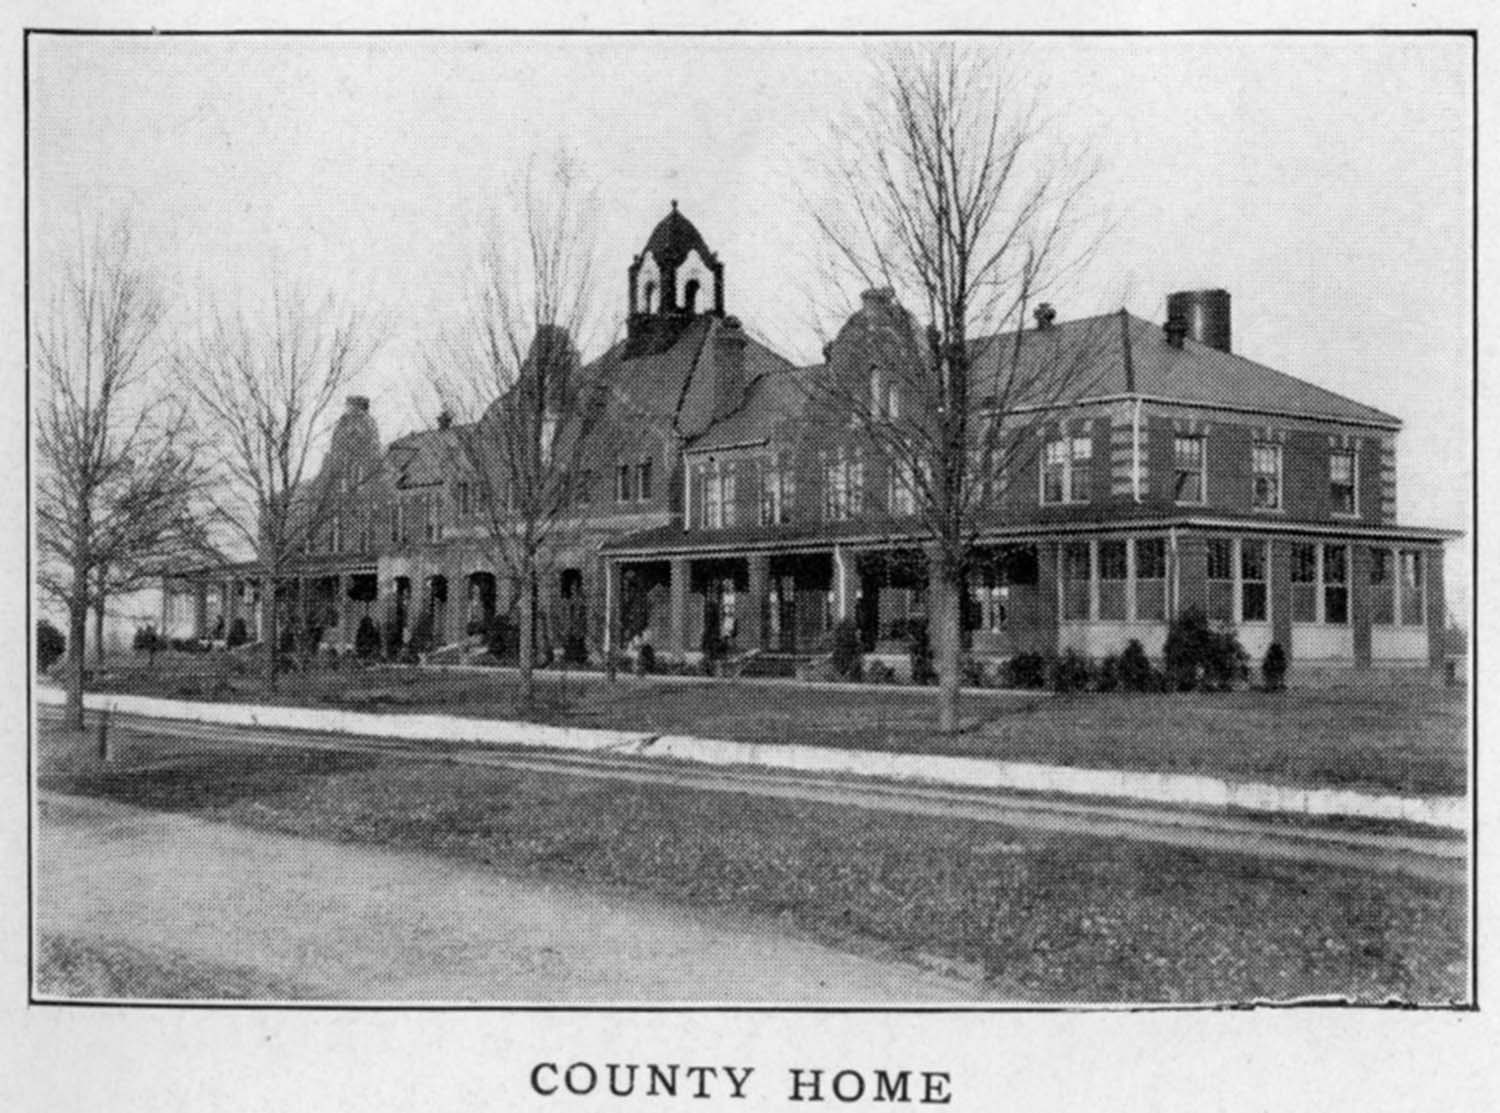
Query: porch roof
{"points": [[667, 541]]}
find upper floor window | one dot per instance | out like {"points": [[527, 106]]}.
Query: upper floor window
{"points": [[843, 486], [1343, 470], [906, 483], [777, 491], [643, 480], [1066, 463], [624, 488], [1265, 458], [1188, 459], [718, 496], [465, 498]]}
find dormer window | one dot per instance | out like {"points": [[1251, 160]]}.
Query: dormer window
{"points": [[650, 297], [690, 296], [1066, 463]]}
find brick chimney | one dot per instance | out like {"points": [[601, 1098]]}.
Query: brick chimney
{"points": [[1045, 314], [360, 403], [1204, 314], [729, 366], [445, 420]]}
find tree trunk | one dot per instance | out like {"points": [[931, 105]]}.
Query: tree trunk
{"points": [[946, 641], [99, 603], [526, 654], [269, 630], [78, 620]]}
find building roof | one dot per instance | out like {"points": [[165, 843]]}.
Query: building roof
{"points": [[1121, 354], [674, 238]]}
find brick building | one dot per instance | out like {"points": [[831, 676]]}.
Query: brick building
{"points": [[1165, 470]]}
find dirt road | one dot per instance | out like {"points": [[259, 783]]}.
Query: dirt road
{"points": [[356, 923]]}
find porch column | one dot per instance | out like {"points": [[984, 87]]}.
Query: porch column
{"points": [[1048, 553], [1359, 604], [677, 643], [752, 619], [1437, 608], [1192, 573], [843, 587], [200, 609], [611, 570]]}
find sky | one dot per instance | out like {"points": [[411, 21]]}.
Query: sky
{"points": [[1325, 182]]}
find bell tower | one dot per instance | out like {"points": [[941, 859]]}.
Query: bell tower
{"points": [[673, 281]]}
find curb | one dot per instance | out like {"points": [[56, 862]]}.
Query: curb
{"points": [[1195, 790]]}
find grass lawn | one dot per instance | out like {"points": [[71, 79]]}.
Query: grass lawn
{"points": [[1038, 916], [1406, 739]]}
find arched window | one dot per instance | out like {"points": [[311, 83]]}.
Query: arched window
{"points": [[650, 297], [690, 296]]}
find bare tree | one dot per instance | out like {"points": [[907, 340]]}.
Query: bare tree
{"points": [[512, 369], [264, 390], [117, 468], [949, 194]]}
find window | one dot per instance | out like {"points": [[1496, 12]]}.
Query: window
{"points": [[690, 296], [1253, 607], [336, 535], [1010, 566], [1266, 463], [777, 490], [464, 502], [718, 496], [843, 486], [1413, 610], [1076, 578], [1382, 588], [1188, 459], [1066, 463], [1221, 579], [622, 483], [1114, 571], [643, 479], [1304, 583], [1335, 584], [905, 483], [1151, 579], [1342, 470]]}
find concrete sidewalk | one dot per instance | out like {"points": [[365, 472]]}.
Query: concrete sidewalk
{"points": [[1175, 789]]}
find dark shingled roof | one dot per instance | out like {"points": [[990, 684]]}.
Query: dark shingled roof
{"points": [[1118, 353]]}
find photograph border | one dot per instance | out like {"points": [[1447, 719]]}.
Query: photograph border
{"points": [[1472, 1005]]}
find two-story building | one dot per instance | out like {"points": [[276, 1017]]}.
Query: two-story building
{"points": [[1140, 468]]}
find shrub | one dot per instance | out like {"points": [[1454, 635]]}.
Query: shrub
{"points": [[645, 660], [920, 650], [1108, 679], [1198, 656], [1136, 673], [848, 650], [51, 643], [239, 634], [1273, 668], [575, 649], [972, 671], [502, 638], [1072, 672], [878, 672], [367, 640], [712, 644], [1026, 670], [146, 639], [423, 634], [390, 636]]}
